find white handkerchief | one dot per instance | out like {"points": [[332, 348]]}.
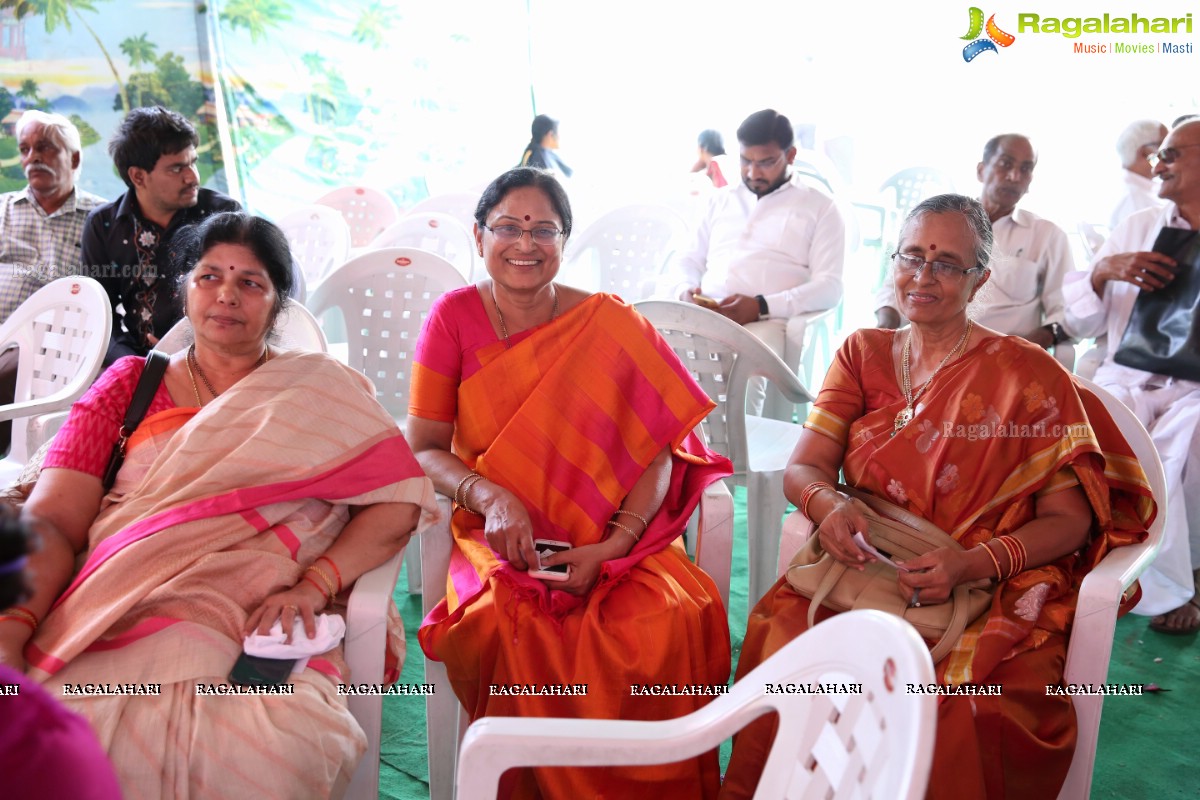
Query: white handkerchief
{"points": [[330, 630]]}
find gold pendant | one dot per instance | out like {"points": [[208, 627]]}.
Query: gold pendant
{"points": [[903, 418]]}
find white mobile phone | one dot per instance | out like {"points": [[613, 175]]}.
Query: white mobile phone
{"points": [[547, 547]]}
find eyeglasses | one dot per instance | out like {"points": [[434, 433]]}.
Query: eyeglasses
{"points": [[912, 265], [1168, 155], [762, 163], [508, 234]]}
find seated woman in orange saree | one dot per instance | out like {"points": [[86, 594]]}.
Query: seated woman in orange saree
{"points": [[215, 510], [567, 416], [1001, 427]]}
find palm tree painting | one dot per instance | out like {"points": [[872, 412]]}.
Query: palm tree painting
{"points": [[58, 12], [373, 22], [139, 50], [256, 16]]}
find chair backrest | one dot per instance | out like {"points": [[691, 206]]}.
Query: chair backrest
{"points": [[366, 211], [1092, 235], [460, 205], [911, 186], [62, 331], [722, 357], [296, 329], [319, 239], [384, 296], [433, 231], [625, 251], [876, 742]]}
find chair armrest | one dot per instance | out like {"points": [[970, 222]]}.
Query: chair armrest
{"points": [[366, 619], [59, 401], [435, 556], [714, 539]]}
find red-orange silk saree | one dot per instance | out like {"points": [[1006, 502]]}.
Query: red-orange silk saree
{"points": [[1000, 426], [568, 418]]}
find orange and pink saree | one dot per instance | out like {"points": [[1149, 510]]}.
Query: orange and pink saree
{"points": [[999, 427], [213, 510], [568, 418]]}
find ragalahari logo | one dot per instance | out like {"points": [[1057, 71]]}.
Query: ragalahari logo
{"points": [[995, 36]]}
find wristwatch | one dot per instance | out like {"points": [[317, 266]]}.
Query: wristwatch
{"points": [[1057, 334], [763, 311]]}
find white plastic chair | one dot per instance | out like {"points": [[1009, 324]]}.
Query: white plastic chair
{"points": [[296, 329], [384, 296], [877, 744], [1092, 234], [436, 232], [460, 205], [807, 351], [366, 211], [1090, 647], [625, 251], [445, 718], [722, 357], [319, 239], [62, 331]]}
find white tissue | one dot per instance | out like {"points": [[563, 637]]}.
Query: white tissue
{"points": [[330, 630]]}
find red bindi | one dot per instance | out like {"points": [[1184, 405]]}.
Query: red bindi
{"points": [[933, 247], [231, 268], [527, 218]]}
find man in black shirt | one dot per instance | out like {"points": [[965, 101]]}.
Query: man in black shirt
{"points": [[127, 243]]}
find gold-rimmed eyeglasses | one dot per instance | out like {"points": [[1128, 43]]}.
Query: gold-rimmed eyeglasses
{"points": [[907, 264]]}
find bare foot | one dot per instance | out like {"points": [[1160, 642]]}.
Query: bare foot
{"points": [[1185, 619]]}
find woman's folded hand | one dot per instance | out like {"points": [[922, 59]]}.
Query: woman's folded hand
{"points": [[837, 531], [303, 599], [585, 566], [933, 575], [12, 653], [508, 529]]}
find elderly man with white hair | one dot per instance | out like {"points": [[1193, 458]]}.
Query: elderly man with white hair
{"points": [[40, 225], [1136, 143]]}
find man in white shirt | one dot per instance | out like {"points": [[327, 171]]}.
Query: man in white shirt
{"points": [[1137, 142], [769, 248], [1100, 302], [1030, 257]]}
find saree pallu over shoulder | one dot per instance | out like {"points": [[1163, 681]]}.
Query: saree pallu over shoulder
{"points": [[216, 509], [1000, 427]]}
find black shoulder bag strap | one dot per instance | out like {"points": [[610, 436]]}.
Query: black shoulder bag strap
{"points": [[143, 395]]}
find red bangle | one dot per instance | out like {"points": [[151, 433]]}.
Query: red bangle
{"points": [[336, 572], [809, 493], [320, 588]]}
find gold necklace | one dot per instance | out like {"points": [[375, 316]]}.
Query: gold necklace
{"points": [[500, 314], [906, 414], [191, 359]]}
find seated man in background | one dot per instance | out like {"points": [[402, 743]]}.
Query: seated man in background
{"points": [[40, 225], [1031, 255], [1137, 142], [128, 241], [1100, 302], [711, 145], [769, 248]]}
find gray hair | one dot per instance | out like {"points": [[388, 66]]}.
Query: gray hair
{"points": [[62, 129], [1137, 133], [972, 212]]}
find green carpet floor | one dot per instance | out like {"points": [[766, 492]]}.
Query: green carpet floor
{"points": [[1146, 747]]}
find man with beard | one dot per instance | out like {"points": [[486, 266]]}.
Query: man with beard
{"points": [[769, 248], [128, 241], [1030, 259], [40, 225]]}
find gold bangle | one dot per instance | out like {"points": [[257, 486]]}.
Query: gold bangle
{"points": [[20, 614], [458, 489], [625, 528], [999, 574], [635, 515], [472, 480], [328, 581]]}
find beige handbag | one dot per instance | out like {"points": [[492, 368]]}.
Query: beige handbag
{"points": [[902, 535]]}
